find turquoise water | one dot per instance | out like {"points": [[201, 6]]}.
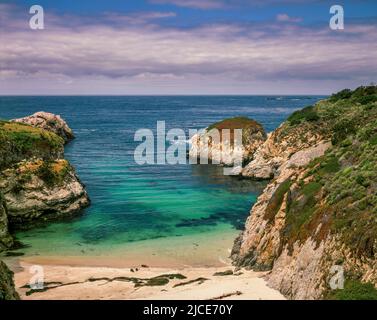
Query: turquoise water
{"points": [[132, 203]]}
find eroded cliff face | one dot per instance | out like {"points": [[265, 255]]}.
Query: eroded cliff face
{"points": [[222, 149], [280, 145], [319, 210], [36, 182]]}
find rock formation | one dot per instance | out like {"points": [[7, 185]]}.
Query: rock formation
{"points": [[7, 291], [36, 182], [50, 122], [319, 210], [222, 148], [6, 240], [41, 190]]}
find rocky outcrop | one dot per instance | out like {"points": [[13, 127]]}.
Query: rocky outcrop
{"points": [[36, 182], [50, 122], [37, 190], [218, 146], [6, 240], [280, 145], [19, 141], [260, 242], [7, 290], [318, 212]]}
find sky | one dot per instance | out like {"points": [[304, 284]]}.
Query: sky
{"points": [[167, 47]]}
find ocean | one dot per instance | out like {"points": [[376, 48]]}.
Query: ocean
{"points": [[178, 214]]}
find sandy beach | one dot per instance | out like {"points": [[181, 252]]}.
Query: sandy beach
{"points": [[68, 280]]}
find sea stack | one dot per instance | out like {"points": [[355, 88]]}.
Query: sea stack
{"points": [[253, 135]]}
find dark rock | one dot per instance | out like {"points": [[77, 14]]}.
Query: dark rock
{"points": [[7, 289]]}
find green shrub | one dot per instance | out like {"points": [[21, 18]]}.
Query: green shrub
{"points": [[276, 200], [342, 129], [306, 114], [45, 173], [354, 290], [344, 94], [367, 99]]}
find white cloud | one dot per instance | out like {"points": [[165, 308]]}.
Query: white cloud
{"points": [[137, 57], [283, 17]]}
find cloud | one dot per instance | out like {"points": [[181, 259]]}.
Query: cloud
{"points": [[283, 17], [100, 57]]}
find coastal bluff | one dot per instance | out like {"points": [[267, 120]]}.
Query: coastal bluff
{"points": [[318, 212], [36, 182]]}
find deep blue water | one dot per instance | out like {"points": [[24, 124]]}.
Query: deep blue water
{"points": [[131, 203]]}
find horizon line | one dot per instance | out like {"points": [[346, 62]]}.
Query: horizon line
{"points": [[164, 95]]}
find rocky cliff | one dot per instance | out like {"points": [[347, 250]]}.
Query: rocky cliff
{"points": [[50, 122], [37, 189], [6, 240], [36, 182], [7, 291], [217, 145], [319, 210]]}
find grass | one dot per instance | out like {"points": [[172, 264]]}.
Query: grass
{"points": [[235, 123], [249, 128], [354, 290], [276, 200], [19, 141], [51, 172]]}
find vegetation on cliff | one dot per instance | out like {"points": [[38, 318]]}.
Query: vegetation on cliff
{"points": [[322, 212], [354, 290], [19, 141], [335, 195], [221, 144], [339, 191], [248, 126], [36, 183]]}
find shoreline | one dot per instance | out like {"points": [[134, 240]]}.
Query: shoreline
{"points": [[211, 249], [70, 281]]}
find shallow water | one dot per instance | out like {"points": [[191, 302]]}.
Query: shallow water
{"points": [[150, 206]]}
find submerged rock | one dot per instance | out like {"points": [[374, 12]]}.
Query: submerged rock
{"points": [[7, 289], [50, 122]]}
